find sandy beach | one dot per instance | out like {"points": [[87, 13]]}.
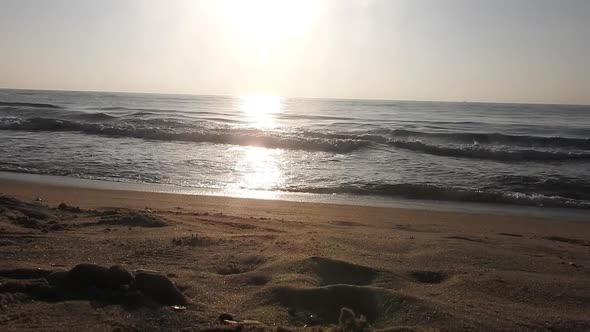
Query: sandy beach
{"points": [[274, 265], [294, 166]]}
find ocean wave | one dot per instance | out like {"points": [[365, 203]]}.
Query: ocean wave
{"points": [[136, 110], [164, 129], [20, 104], [122, 108], [417, 191], [393, 136], [496, 146], [473, 151], [245, 137], [494, 138], [444, 193], [92, 116], [480, 152], [550, 185], [314, 117], [139, 111]]}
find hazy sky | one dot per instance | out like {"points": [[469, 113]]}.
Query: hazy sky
{"points": [[495, 50]]}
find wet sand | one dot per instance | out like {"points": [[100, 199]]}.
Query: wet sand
{"points": [[279, 264]]}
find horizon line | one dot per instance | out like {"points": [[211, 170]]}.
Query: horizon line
{"points": [[285, 97]]}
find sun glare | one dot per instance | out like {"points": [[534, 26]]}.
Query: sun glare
{"points": [[260, 172], [260, 111], [262, 26]]}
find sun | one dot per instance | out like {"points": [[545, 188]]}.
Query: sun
{"points": [[262, 26]]}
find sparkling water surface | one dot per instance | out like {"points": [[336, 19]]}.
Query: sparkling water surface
{"points": [[528, 155]]}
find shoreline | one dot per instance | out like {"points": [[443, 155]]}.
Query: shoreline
{"points": [[344, 200], [281, 263]]}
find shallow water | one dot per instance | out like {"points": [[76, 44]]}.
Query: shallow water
{"points": [[536, 155]]}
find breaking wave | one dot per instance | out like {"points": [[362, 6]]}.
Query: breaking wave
{"points": [[494, 138], [246, 137], [480, 152], [545, 148], [444, 193]]}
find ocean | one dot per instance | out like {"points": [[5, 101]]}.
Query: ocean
{"points": [[511, 154]]}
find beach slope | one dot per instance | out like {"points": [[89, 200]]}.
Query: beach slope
{"points": [[181, 261]]}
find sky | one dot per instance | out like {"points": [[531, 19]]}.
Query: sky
{"points": [[534, 51]]}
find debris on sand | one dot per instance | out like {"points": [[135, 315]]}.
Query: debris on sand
{"points": [[225, 317], [348, 322], [134, 219]]}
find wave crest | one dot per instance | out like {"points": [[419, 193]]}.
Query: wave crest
{"points": [[479, 152], [494, 139], [246, 137], [164, 129], [444, 193], [21, 104]]}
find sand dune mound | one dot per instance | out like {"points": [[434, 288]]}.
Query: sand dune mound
{"points": [[322, 305], [325, 302], [331, 272], [314, 290]]}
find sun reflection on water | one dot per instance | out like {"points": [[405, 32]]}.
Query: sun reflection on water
{"points": [[259, 111], [259, 172]]}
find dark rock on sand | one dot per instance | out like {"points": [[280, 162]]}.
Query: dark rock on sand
{"points": [[92, 275], [118, 277], [159, 288], [57, 278], [24, 273], [85, 275], [91, 281], [36, 288]]}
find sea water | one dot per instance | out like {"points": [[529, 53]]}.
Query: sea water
{"points": [[518, 154]]}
